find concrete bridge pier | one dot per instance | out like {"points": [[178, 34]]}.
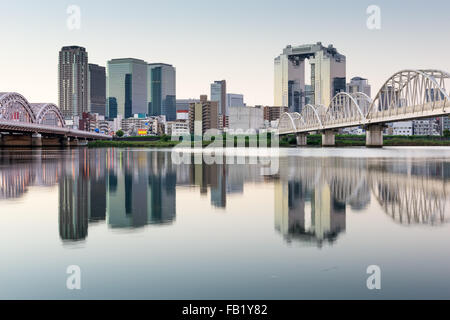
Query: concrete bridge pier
{"points": [[328, 138], [36, 140], [65, 141], [374, 136], [302, 139], [74, 142]]}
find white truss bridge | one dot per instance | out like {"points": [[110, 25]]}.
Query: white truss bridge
{"points": [[407, 95]]}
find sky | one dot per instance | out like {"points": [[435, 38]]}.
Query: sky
{"points": [[215, 40]]}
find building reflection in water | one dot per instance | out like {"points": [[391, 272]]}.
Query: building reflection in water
{"points": [[141, 190], [313, 196], [308, 208]]}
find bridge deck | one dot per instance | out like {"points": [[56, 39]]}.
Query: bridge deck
{"points": [[22, 127]]}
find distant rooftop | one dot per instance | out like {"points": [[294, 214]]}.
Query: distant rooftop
{"points": [[308, 50], [67, 48], [160, 64], [358, 78], [126, 60]]}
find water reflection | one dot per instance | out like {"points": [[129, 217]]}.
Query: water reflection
{"points": [[312, 196]]}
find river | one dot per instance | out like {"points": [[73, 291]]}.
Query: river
{"points": [[140, 225]]}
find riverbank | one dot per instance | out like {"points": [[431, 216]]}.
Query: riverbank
{"points": [[348, 140], [313, 140]]}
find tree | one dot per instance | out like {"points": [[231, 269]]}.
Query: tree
{"points": [[119, 133], [165, 137], [446, 133]]}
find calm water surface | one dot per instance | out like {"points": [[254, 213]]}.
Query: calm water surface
{"points": [[142, 227]]}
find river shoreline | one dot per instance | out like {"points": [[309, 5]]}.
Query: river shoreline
{"points": [[285, 142]]}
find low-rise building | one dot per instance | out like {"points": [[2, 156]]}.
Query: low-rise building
{"points": [[245, 118], [183, 114], [402, 128], [177, 128], [426, 127]]}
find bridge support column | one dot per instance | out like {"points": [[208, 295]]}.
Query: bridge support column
{"points": [[329, 138], [65, 141], [74, 142], [1, 140], [374, 136], [36, 140], [302, 139]]}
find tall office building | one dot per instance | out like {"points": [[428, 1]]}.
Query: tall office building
{"points": [[73, 81], [126, 87], [358, 84], [162, 90], [97, 89], [328, 72], [219, 94]]}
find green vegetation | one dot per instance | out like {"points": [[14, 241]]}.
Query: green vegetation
{"points": [[446, 133], [349, 140], [313, 140], [119, 133]]}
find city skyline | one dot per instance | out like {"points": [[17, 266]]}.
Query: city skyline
{"points": [[197, 68]]}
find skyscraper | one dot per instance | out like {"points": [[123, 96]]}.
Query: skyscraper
{"points": [[328, 72], [219, 94], [97, 89], [73, 81], [235, 100], [161, 80], [358, 84], [126, 87]]}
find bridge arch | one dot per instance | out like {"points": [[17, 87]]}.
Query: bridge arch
{"points": [[410, 91], [48, 114], [363, 101], [344, 108], [14, 107], [287, 123], [311, 117]]}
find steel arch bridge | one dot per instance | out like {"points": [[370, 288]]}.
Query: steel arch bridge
{"points": [[17, 115], [407, 95]]}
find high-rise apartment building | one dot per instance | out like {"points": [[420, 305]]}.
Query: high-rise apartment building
{"points": [[203, 114], [161, 94], [73, 81], [358, 84], [328, 72], [97, 89], [219, 94], [126, 87], [274, 113]]}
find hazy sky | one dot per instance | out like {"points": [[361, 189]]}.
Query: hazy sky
{"points": [[209, 40]]}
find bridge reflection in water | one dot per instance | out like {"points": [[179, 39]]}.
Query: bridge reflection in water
{"points": [[312, 195]]}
